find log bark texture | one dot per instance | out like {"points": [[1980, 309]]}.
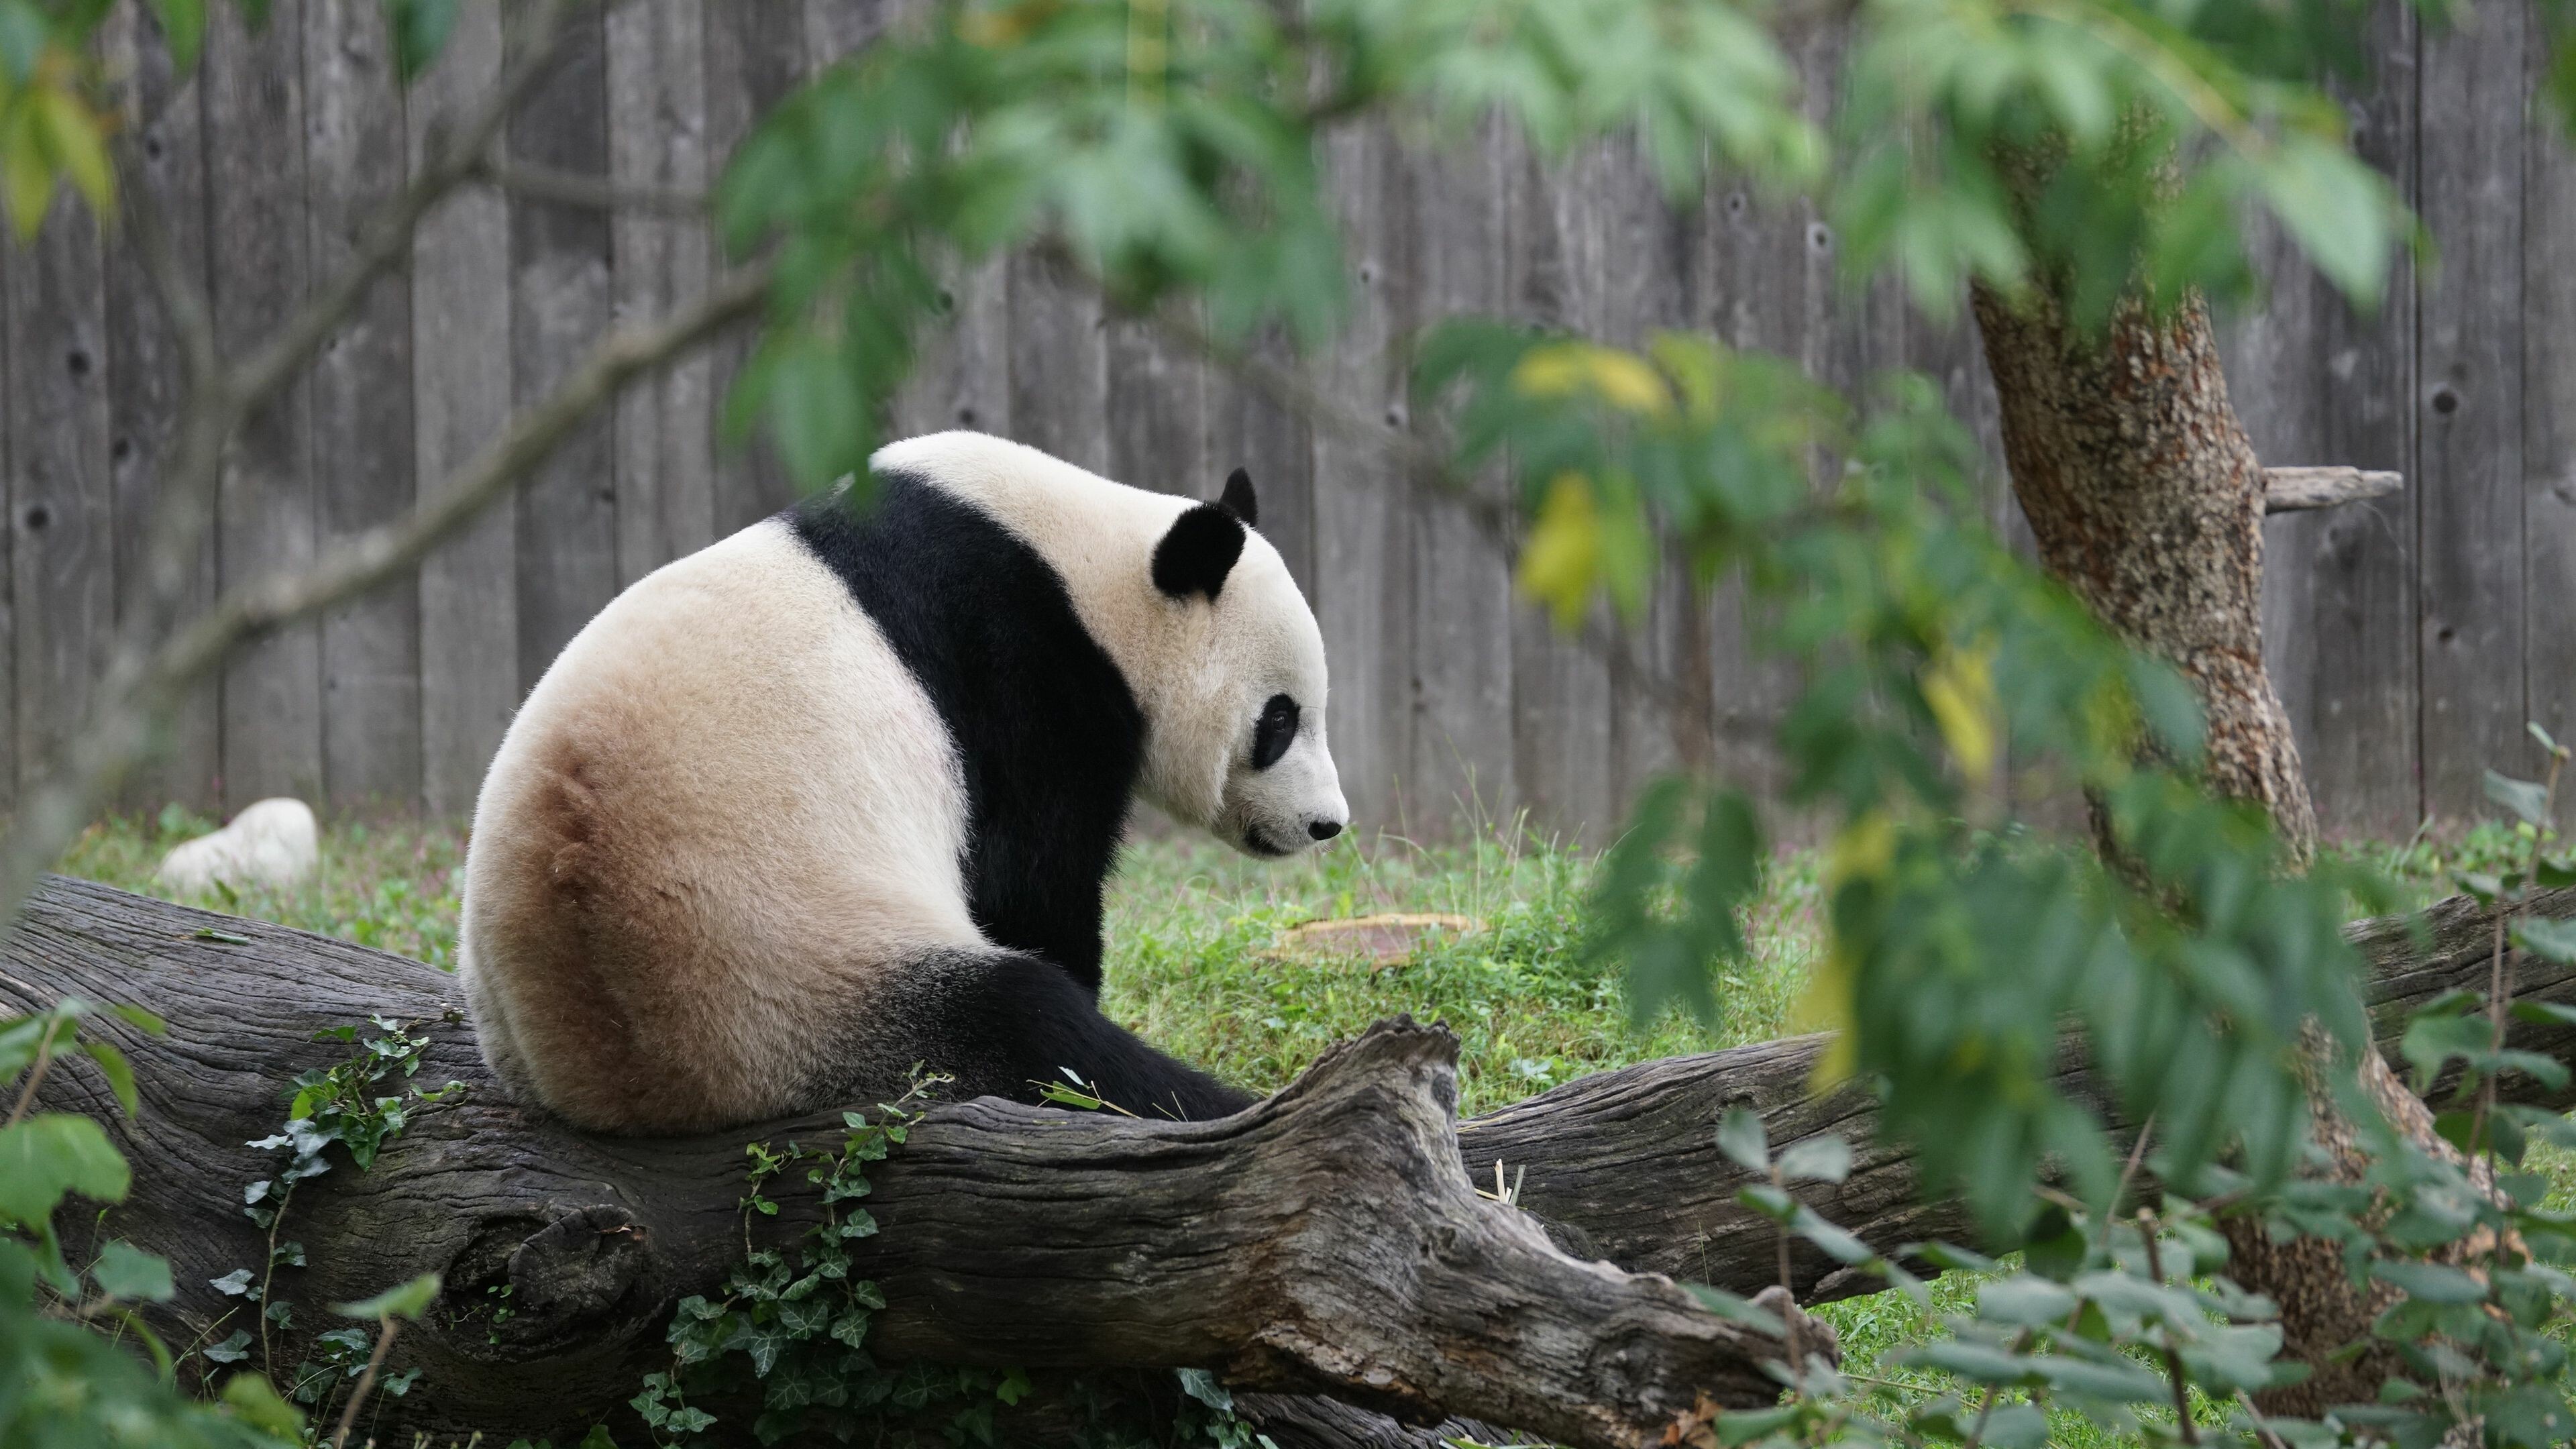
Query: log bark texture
{"points": [[1005, 1225]]}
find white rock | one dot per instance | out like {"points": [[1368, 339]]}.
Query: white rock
{"points": [[273, 843]]}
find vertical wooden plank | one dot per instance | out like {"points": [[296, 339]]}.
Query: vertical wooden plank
{"points": [[144, 379], [1247, 430], [1751, 302], [261, 266], [755, 54], [64, 540], [2362, 758], [2316, 383], [1059, 365], [2469, 489], [663, 438], [1157, 413], [1561, 693], [2549, 369], [1462, 769], [362, 427], [1360, 586], [559, 305], [964, 377], [461, 389], [1642, 291]]}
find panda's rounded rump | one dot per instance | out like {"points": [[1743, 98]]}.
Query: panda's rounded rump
{"points": [[719, 808]]}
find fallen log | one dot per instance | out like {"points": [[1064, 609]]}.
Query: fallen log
{"points": [[1325, 1241], [1629, 1158]]}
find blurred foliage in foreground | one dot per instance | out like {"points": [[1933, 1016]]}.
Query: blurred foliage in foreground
{"points": [[1168, 153]]}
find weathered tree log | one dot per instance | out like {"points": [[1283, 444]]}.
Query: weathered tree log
{"points": [[1325, 1240], [2292, 490], [1011, 1234]]}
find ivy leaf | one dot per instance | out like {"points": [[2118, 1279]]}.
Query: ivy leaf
{"points": [[235, 1284]]}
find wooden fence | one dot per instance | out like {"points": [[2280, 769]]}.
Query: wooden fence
{"points": [[2411, 637]]}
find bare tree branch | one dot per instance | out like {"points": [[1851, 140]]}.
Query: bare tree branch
{"points": [[139, 687], [386, 238], [380, 553], [573, 188], [138, 697]]}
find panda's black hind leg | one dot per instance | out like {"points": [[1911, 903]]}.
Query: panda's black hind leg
{"points": [[1005, 1022]]}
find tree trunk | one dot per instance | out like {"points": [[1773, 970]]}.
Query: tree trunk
{"points": [[1327, 1239], [2147, 499]]}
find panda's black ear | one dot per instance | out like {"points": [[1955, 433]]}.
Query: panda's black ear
{"points": [[1237, 498], [1199, 552]]}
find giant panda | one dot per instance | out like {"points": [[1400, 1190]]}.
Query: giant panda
{"points": [[838, 794]]}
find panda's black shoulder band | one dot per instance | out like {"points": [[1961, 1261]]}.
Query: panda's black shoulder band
{"points": [[1199, 552]]}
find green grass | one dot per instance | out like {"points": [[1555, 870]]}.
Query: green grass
{"points": [[1196, 965], [393, 884]]}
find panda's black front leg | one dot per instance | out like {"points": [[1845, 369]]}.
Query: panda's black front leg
{"points": [[1006, 1022]]}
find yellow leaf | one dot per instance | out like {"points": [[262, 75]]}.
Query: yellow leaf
{"points": [[1960, 690], [26, 176], [1562, 369], [1628, 383], [1563, 555], [1007, 24], [1694, 365], [1553, 369], [1864, 849], [1826, 1005], [74, 135]]}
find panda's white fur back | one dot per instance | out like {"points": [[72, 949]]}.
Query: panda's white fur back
{"points": [[683, 779], [721, 851]]}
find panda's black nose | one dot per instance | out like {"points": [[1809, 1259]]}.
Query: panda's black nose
{"points": [[1324, 829]]}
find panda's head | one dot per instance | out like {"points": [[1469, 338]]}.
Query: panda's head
{"points": [[1235, 722]]}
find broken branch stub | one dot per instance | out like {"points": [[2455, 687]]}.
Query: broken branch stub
{"points": [[2292, 490]]}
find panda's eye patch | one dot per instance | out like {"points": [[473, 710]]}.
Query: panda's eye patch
{"points": [[1275, 732]]}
